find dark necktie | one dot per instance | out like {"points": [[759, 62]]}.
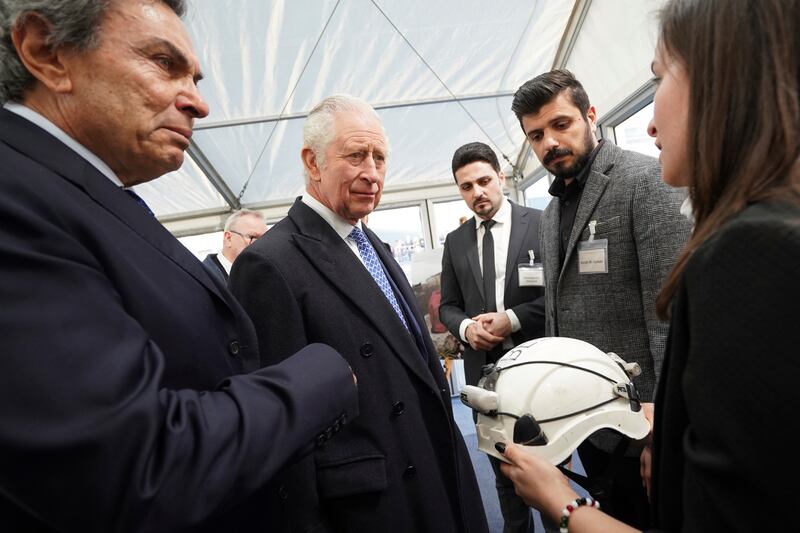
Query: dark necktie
{"points": [[488, 267], [139, 200]]}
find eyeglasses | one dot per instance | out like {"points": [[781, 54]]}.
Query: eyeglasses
{"points": [[249, 237]]}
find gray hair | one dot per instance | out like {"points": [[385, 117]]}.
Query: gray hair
{"points": [[74, 23], [318, 131], [236, 215]]}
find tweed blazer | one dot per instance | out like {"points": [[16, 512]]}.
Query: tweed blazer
{"points": [[639, 216]]}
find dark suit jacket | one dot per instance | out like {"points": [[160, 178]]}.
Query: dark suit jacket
{"points": [[402, 466], [726, 405], [213, 265], [111, 331], [462, 285]]}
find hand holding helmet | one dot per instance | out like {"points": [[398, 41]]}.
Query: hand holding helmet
{"points": [[550, 394]]}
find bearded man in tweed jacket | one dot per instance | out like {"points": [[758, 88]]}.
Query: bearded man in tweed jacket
{"points": [[608, 238]]}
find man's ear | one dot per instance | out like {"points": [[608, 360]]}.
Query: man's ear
{"points": [[591, 116], [42, 61], [310, 163]]}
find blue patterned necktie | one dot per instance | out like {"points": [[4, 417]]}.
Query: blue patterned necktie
{"points": [[139, 201], [373, 264]]}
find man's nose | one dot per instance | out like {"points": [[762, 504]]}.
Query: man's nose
{"points": [[370, 168], [652, 131], [191, 101], [549, 142]]}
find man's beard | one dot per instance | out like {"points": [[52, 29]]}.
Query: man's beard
{"points": [[581, 159], [485, 211]]}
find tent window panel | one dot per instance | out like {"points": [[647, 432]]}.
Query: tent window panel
{"points": [[401, 228], [448, 217], [536, 194], [631, 133]]}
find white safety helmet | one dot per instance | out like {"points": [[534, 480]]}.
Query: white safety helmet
{"points": [[549, 394]]}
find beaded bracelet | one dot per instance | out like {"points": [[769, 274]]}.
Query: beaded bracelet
{"points": [[571, 506]]}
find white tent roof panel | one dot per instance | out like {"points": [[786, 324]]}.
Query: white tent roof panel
{"points": [[440, 74]]}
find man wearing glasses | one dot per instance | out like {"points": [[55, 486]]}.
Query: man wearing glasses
{"points": [[241, 229]]}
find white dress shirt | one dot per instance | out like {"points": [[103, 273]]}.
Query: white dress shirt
{"points": [[501, 233], [341, 226], [226, 264]]}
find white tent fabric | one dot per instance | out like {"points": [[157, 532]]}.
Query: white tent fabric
{"points": [[441, 73]]}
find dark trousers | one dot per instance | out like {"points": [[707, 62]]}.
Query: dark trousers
{"points": [[626, 497]]}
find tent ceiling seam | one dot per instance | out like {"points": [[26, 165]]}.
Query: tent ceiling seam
{"points": [[211, 173], [377, 107], [568, 39], [517, 174], [455, 98], [288, 99]]}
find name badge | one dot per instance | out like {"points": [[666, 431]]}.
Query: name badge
{"points": [[531, 275], [593, 254]]}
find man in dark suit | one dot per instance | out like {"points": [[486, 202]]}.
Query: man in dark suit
{"points": [[241, 229], [320, 275], [123, 400], [492, 296], [609, 237]]}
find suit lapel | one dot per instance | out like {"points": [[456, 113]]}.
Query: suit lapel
{"points": [[551, 220], [62, 160], [336, 262], [519, 228], [592, 192], [596, 183], [470, 236]]}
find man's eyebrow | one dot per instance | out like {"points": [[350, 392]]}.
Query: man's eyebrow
{"points": [[549, 122], [177, 54]]}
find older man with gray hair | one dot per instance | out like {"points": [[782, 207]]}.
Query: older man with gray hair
{"points": [[242, 228], [320, 275], [124, 402]]}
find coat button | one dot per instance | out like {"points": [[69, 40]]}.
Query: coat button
{"points": [[410, 472], [233, 348], [398, 408], [367, 349], [283, 493]]}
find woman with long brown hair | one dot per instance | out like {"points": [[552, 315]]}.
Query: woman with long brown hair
{"points": [[727, 121]]}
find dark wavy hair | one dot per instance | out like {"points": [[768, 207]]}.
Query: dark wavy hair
{"points": [[742, 59], [544, 88], [471, 152]]}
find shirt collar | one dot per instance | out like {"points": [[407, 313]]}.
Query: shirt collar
{"points": [[48, 126], [503, 215], [558, 188], [341, 226], [226, 264]]}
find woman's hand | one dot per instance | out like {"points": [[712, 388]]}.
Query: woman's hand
{"points": [[536, 481]]}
